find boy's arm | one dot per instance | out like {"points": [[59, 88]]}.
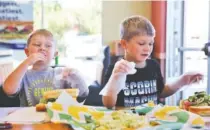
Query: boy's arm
{"points": [[114, 84], [185, 79], [109, 101], [115, 78], [171, 88], [110, 98], [12, 83]]}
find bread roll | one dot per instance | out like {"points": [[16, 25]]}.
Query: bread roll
{"points": [[200, 110], [55, 93], [41, 107]]}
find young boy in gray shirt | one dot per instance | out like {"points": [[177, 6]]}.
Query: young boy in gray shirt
{"points": [[30, 84]]}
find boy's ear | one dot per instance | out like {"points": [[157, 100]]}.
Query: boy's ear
{"points": [[123, 43], [26, 52]]}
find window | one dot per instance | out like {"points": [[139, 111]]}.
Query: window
{"points": [[77, 29]]}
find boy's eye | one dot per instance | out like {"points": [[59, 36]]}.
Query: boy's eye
{"points": [[35, 44], [48, 45], [141, 43]]}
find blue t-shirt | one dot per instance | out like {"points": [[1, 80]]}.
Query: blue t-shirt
{"points": [[35, 83]]}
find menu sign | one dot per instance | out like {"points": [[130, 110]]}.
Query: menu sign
{"points": [[16, 20]]}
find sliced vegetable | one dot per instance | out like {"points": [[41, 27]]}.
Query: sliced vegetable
{"points": [[198, 99]]}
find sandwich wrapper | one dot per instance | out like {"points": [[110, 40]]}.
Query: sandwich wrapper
{"points": [[78, 116], [61, 105], [163, 117], [66, 110]]}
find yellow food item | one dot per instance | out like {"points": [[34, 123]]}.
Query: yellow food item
{"points": [[75, 110], [97, 114], [198, 121], [128, 129], [162, 112], [121, 120], [54, 94], [151, 104], [101, 128], [181, 104], [41, 107], [57, 106]]}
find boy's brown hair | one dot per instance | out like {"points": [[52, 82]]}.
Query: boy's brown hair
{"points": [[43, 32], [136, 25]]}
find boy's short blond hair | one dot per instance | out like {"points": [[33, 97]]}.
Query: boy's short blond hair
{"points": [[136, 25], [43, 32]]}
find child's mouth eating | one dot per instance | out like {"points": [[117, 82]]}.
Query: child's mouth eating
{"points": [[144, 55]]}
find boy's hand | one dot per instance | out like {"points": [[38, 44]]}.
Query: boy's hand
{"points": [[191, 77], [66, 72], [75, 80], [121, 69], [33, 58], [124, 67]]}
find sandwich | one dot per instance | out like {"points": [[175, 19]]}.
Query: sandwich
{"points": [[10, 29], [52, 95], [199, 104]]}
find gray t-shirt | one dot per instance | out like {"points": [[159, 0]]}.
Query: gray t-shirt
{"points": [[35, 83]]}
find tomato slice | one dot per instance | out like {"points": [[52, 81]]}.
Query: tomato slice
{"points": [[186, 104]]}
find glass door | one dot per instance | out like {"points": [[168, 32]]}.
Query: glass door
{"points": [[196, 33], [187, 33]]}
